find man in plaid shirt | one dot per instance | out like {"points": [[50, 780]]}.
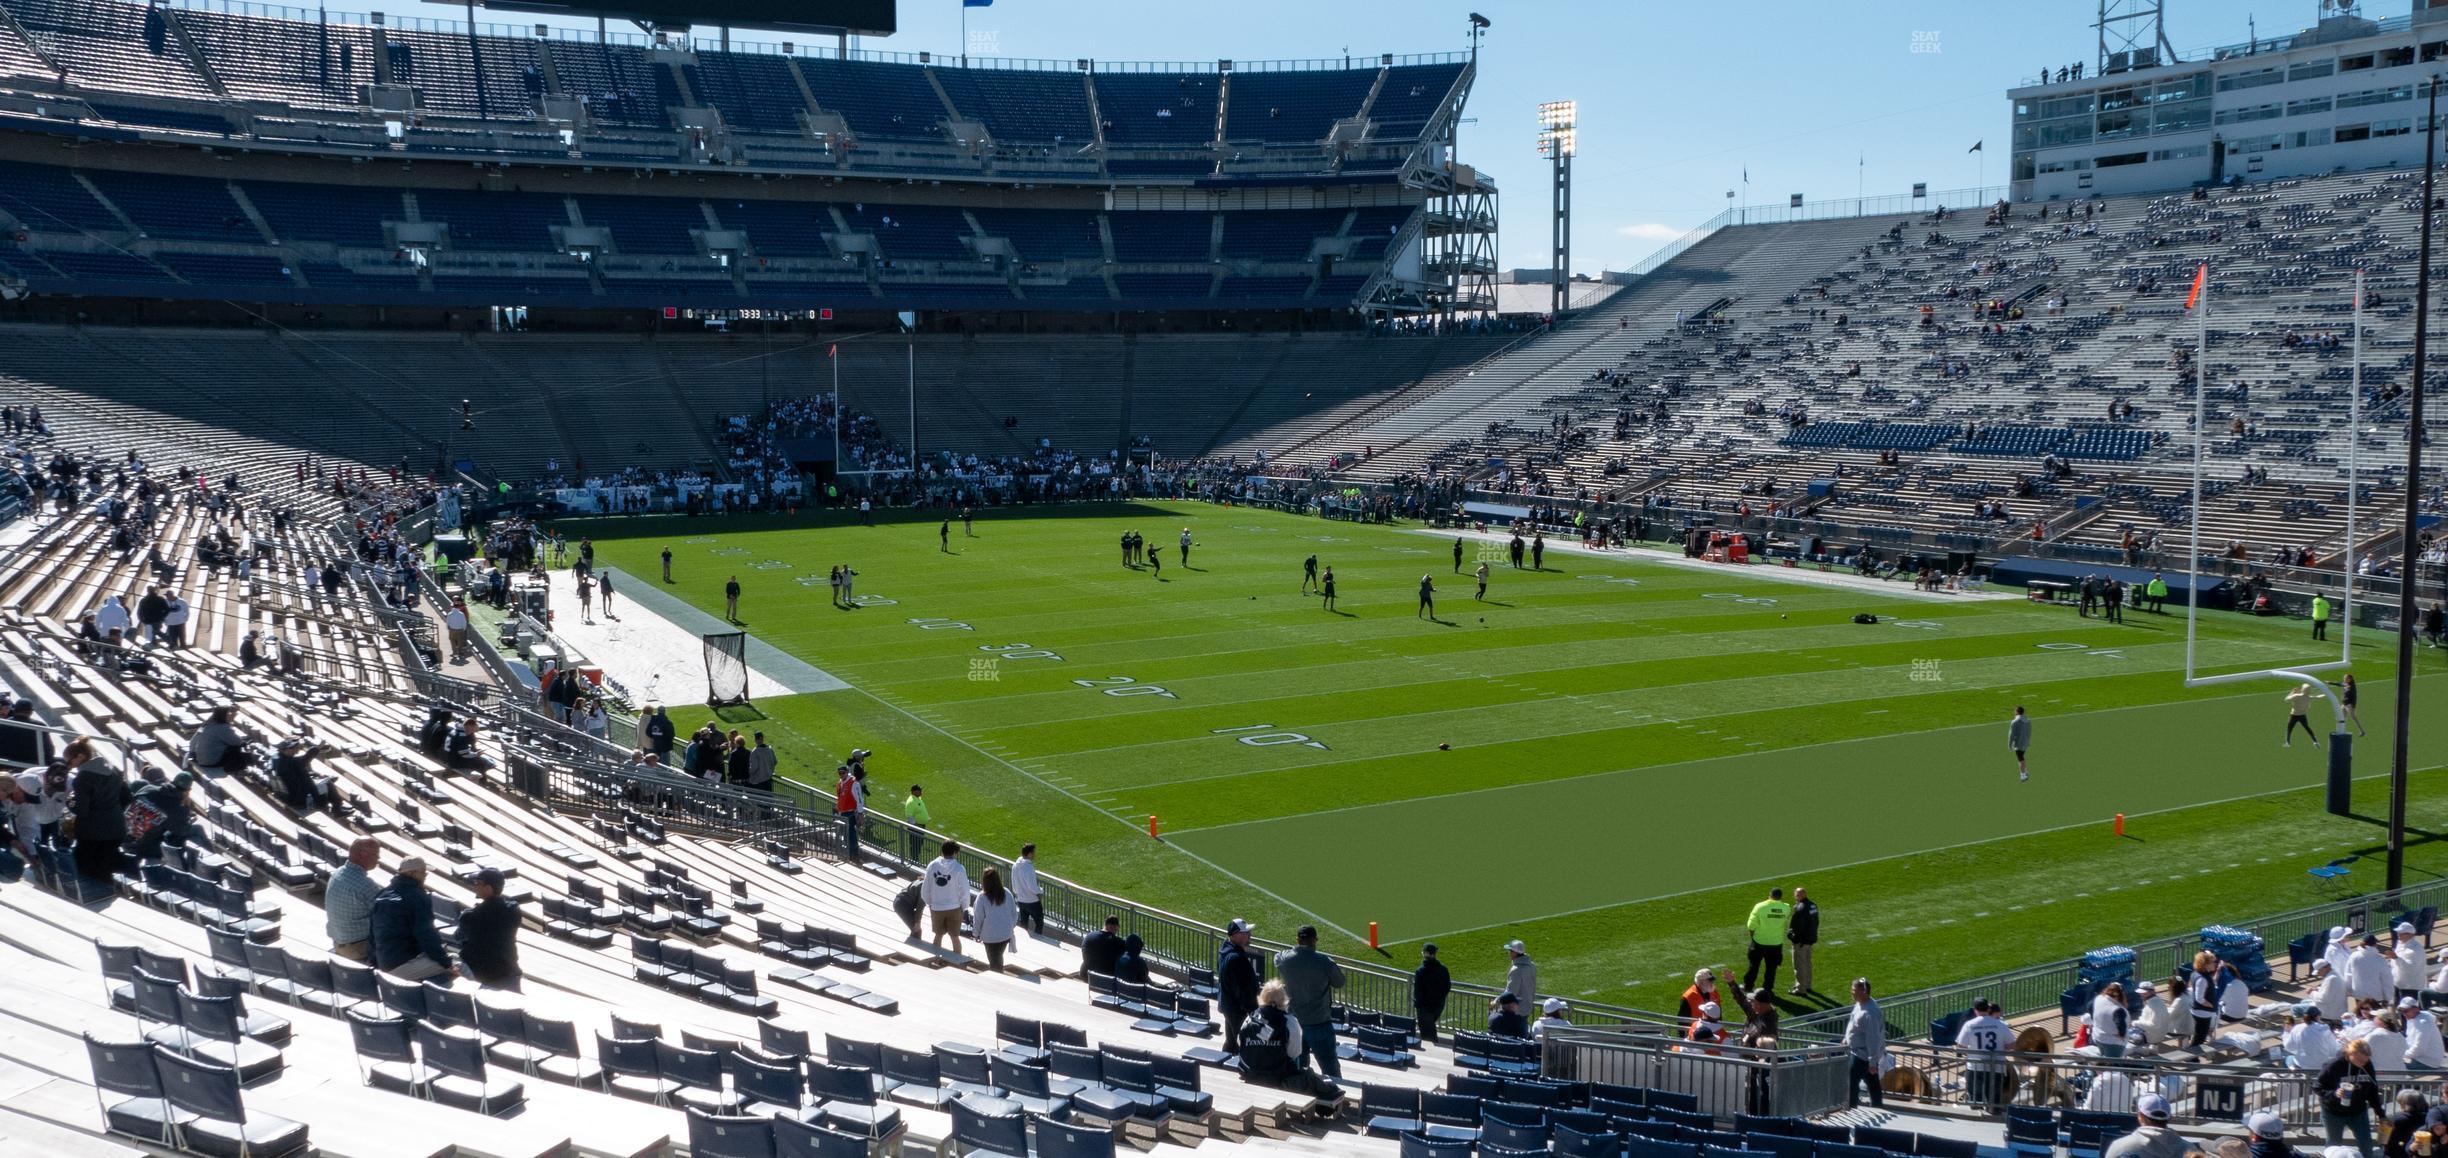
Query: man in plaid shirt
{"points": [[348, 901]]}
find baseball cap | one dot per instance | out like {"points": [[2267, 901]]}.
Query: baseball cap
{"points": [[1508, 999], [1237, 925], [2146, 989], [414, 864], [1428, 947], [491, 877], [2266, 1124], [1516, 947], [2408, 1003], [2153, 1107], [1709, 1010], [2406, 927], [1555, 1005]]}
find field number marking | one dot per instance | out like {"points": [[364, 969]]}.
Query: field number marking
{"points": [[1124, 686], [1018, 651], [1265, 738], [931, 624]]}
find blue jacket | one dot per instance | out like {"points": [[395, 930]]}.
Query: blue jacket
{"points": [[402, 925]]}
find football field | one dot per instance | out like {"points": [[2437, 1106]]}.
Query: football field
{"points": [[1608, 757]]}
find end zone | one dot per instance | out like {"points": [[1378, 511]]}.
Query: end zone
{"points": [[656, 650]]}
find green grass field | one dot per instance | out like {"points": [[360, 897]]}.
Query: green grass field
{"points": [[1636, 749]]}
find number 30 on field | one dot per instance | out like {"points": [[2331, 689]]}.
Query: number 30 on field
{"points": [[1266, 739], [1125, 686]]}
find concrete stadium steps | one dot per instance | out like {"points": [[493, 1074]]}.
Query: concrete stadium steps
{"points": [[1747, 264]]}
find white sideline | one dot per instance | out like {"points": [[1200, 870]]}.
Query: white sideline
{"points": [[1807, 575], [650, 658]]}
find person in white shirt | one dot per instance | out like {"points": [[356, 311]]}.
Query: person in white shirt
{"points": [[2368, 974], [994, 916], [2422, 1033], [944, 889], [2340, 949], [2112, 1092], [2109, 1021], [2200, 999], [1025, 890], [2328, 991], [2308, 1043], [2408, 961], [1550, 1013], [2234, 996], [2154, 1022], [112, 616], [2387, 1040], [1984, 1039]]}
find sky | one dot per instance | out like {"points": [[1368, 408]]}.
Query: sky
{"points": [[1677, 101]]}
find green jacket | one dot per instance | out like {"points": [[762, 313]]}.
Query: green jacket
{"points": [[1767, 923], [915, 811], [2320, 608]]}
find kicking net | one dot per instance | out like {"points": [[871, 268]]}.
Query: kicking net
{"points": [[726, 661]]}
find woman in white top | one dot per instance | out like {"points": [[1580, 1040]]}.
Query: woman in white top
{"points": [[2200, 999], [2422, 1032], [595, 721], [2109, 1021], [993, 916], [2234, 996]]}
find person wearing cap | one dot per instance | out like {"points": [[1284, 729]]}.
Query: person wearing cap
{"points": [[1431, 985], [914, 810], [401, 928], [488, 934], [2408, 960], [1865, 1037], [1767, 925], [2340, 948], [301, 789], [1708, 1028], [2328, 991], [1238, 976], [348, 901], [2368, 974], [1521, 974], [168, 799], [1310, 979], [1702, 989], [2349, 1093], [2309, 1044], [2152, 1016], [2267, 1135], [2151, 1137], [1984, 1039], [1803, 932], [1551, 1013], [20, 837], [1506, 1019], [2423, 1045]]}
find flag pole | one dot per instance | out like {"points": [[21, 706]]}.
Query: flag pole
{"points": [[833, 355], [2412, 526], [2354, 473], [2201, 438]]}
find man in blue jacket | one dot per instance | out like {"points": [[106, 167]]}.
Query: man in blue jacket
{"points": [[406, 944]]}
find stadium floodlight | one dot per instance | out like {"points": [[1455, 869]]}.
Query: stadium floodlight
{"points": [[1558, 128]]}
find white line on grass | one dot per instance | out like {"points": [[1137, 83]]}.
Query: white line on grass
{"points": [[1672, 764], [1873, 860], [1123, 821]]}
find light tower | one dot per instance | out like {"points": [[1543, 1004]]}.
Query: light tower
{"points": [[1558, 123]]}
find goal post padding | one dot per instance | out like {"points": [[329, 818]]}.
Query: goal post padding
{"points": [[726, 662]]}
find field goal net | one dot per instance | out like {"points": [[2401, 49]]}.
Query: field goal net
{"points": [[726, 662]]}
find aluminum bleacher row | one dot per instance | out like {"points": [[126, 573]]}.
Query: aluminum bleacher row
{"points": [[1710, 353], [279, 75], [540, 395], [160, 234]]}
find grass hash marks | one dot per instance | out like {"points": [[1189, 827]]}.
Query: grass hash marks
{"points": [[1630, 744]]}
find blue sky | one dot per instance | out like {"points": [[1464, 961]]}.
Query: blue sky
{"points": [[1676, 100]]}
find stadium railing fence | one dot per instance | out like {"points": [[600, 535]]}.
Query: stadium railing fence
{"points": [[1727, 1080], [2038, 988], [2202, 1093]]}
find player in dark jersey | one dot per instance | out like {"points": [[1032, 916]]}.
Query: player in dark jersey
{"points": [[1326, 588], [1457, 554], [1309, 575], [1427, 607], [943, 536]]}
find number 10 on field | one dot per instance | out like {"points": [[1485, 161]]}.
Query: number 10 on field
{"points": [[1264, 738]]}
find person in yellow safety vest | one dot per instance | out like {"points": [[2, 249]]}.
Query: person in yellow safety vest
{"points": [[2320, 617], [1767, 925], [2157, 593]]}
